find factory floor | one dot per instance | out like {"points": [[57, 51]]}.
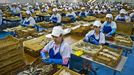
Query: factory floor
{"points": [[127, 70]]}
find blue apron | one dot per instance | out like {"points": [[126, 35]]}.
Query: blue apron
{"points": [[83, 14], [54, 19], [77, 13], [121, 19], [93, 36], [72, 17], [26, 23], [55, 56], [107, 28], [90, 13], [17, 14]]}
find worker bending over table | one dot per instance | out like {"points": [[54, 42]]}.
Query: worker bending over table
{"points": [[59, 51]]}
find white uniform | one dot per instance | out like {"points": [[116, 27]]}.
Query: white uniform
{"points": [[127, 18], [15, 10]]}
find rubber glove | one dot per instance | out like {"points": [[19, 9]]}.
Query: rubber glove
{"points": [[111, 33], [55, 61], [43, 55], [92, 40], [48, 61]]}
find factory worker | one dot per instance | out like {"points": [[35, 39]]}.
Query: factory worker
{"points": [[45, 8], [96, 10], [37, 7], [30, 8], [71, 14], [1, 14], [122, 16], [103, 10], [109, 26], [91, 13], [83, 13], [56, 17], [132, 16], [95, 36], [59, 51], [29, 20], [15, 10]]}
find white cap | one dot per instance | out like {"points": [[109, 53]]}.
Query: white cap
{"points": [[43, 5], [109, 16], [14, 3], [57, 31], [70, 8], [96, 7], [97, 23], [91, 7], [27, 4], [83, 8], [54, 5], [54, 9], [28, 12], [37, 3], [103, 6], [123, 11]]}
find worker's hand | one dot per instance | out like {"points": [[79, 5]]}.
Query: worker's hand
{"points": [[91, 39], [48, 61], [107, 35], [43, 58]]}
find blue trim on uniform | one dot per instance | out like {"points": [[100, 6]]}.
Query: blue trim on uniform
{"points": [[54, 19]]}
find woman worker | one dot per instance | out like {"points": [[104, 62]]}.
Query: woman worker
{"points": [[56, 17], [122, 16], [109, 27], [59, 51], [71, 14], [29, 20], [95, 36]]}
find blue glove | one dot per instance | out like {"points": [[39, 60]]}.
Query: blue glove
{"points": [[48, 61], [112, 32], [56, 61], [92, 40], [43, 55], [53, 61]]}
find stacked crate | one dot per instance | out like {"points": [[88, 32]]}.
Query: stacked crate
{"points": [[11, 54]]}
